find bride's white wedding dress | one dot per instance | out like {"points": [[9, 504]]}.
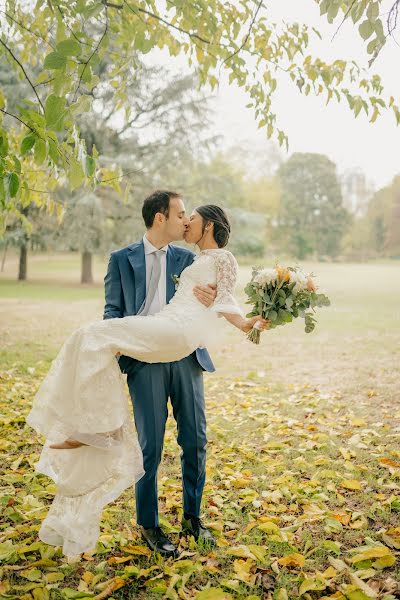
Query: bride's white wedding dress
{"points": [[83, 397]]}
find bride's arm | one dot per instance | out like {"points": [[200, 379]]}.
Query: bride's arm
{"points": [[245, 324], [225, 303]]}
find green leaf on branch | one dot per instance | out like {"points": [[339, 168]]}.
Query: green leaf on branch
{"points": [[55, 60], [333, 11], [27, 143], [76, 174], [373, 11], [83, 104], [3, 143], [40, 151], [380, 34], [55, 112], [85, 73], [17, 164], [12, 184], [54, 151], [69, 48], [366, 29], [90, 166]]}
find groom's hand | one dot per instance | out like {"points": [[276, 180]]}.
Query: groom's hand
{"points": [[205, 294]]}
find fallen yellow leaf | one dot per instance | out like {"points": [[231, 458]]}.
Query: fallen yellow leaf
{"points": [[329, 572], [139, 550], [269, 528], [367, 553], [242, 569], [351, 484], [292, 560]]}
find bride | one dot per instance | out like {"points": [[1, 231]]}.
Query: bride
{"points": [[91, 449]]}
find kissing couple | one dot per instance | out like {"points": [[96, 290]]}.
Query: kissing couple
{"points": [[155, 330]]}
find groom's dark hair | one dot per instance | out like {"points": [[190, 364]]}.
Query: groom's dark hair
{"points": [[157, 202]]}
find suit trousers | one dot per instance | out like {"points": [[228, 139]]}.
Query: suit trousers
{"points": [[150, 386]]}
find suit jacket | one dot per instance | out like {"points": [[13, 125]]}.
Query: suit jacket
{"points": [[125, 289]]}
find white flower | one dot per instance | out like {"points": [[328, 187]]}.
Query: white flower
{"points": [[300, 279], [266, 276]]}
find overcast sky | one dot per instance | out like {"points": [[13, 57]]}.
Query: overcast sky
{"points": [[312, 126]]}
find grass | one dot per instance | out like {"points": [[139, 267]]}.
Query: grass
{"points": [[289, 423], [48, 290]]}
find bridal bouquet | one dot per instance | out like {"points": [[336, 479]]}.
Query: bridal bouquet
{"points": [[282, 294]]}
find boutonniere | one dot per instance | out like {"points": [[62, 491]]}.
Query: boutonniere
{"points": [[175, 279]]}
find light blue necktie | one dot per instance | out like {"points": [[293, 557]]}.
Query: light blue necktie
{"points": [[153, 282]]}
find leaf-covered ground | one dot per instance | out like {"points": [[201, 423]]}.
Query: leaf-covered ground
{"points": [[303, 494], [303, 480]]}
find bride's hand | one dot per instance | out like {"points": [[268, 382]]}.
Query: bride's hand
{"points": [[248, 324]]}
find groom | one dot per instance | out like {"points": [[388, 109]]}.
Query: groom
{"points": [[140, 280]]}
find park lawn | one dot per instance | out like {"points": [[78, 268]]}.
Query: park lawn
{"points": [[48, 290], [303, 470]]}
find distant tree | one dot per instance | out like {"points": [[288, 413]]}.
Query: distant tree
{"points": [[263, 194], [312, 218], [392, 246], [30, 229], [83, 230], [357, 191], [383, 220], [214, 180]]}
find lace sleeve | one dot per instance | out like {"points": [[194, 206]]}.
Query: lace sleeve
{"points": [[227, 270]]}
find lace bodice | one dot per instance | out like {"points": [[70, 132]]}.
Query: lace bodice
{"points": [[217, 266]]}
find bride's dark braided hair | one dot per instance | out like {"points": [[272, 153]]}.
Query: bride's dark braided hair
{"points": [[211, 213]]}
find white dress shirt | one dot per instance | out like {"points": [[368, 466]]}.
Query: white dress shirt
{"points": [[160, 297]]}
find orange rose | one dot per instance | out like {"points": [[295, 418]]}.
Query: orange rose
{"points": [[283, 273], [311, 285]]}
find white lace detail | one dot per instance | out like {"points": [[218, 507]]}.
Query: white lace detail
{"points": [[83, 397], [227, 272]]}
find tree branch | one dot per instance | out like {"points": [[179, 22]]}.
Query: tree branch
{"points": [[44, 82], [90, 57], [158, 18], [69, 28], [112, 5], [194, 35], [142, 111], [344, 18], [246, 38], [18, 119], [121, 176], [392, 17], [23, 70], [26, 28]]}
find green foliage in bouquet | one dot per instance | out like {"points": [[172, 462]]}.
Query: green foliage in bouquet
{"points": [[282, 294]]}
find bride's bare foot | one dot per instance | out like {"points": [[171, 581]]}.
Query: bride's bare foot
{"points": [[67, 445]]}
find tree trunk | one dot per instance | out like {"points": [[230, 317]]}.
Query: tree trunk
{"points": [[3, 260], [23, 262], [86, 271]]}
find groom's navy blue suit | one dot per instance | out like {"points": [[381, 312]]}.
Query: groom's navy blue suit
{"points": [[151, 385]]}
